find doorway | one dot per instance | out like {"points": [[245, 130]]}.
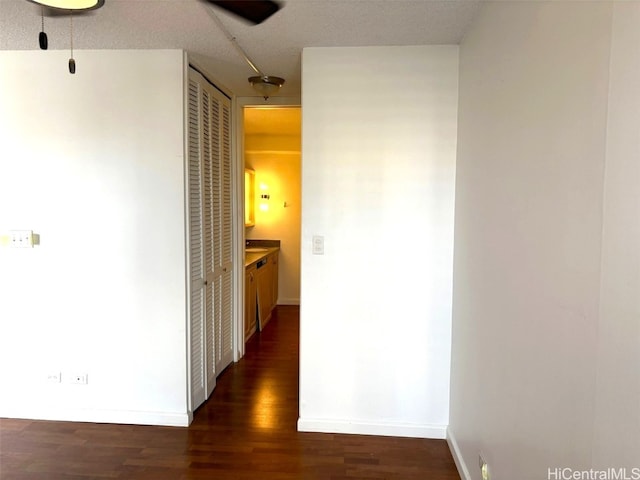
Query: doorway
{"points": [[269, 143]]}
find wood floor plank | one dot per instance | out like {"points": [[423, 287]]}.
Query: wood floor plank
{"points": [[246, 430]]}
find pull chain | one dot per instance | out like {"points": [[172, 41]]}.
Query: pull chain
{"points": [[72, 62], [42, 38]]}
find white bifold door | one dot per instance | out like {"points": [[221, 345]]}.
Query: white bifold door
{"points": [[210, 236]]}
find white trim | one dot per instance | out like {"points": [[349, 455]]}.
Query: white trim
{"points": [[274, 152], [292, 101], [237, 165], [457, 455], [237, 133], [372, 428], [185, 210], [129, 417]]}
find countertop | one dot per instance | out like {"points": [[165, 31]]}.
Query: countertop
{"points": [[267, 246], [252, 257]]}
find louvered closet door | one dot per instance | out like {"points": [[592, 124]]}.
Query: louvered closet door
{"points": [[225, 346], [197, 373], [210, 230], [209, 148], [223, 238], [217, 238]]}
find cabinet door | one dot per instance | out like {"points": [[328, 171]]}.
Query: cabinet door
{"points": [[264, 293], [250, 303]]}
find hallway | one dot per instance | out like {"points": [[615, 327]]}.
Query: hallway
{"points": [[246, 430]]}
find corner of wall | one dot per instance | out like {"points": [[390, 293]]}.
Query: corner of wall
{"points": [[456, 453]]}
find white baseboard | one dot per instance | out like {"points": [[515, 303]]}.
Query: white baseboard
{"points": [[168, 419], [369, 428], [457, 456]]}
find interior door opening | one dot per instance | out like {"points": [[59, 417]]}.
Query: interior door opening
{"points": [[271, 152]]}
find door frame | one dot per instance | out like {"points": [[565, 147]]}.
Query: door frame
{"points": [[237, 151]]}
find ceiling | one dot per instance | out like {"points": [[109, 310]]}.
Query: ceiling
{"points": [[275, 45]]}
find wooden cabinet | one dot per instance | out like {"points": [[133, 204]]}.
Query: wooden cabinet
{"points": [[264, 291], [250, 288], [261, 287]]}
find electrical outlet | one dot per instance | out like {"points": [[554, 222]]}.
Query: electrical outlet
{"points": [[484, 468], [79, 378], [53, 377]]}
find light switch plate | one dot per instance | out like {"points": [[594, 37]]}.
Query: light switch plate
{"points": [[21, 239], [53, 377]]}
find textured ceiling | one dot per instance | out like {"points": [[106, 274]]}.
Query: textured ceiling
{"points": [[275, 45]]}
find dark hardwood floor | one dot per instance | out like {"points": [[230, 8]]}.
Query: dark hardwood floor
{"points": [[246, 430]]}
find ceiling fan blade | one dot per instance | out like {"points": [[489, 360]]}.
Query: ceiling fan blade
{"points": [[56, 8], [57, 12], [255, 11]]}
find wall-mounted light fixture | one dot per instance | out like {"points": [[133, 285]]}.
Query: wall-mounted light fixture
{"points": [[264, 198]]}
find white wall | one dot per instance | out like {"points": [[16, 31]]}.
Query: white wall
{"points": [[93, 162], [617, 426], [276, 161], [378, 167], [527, 318]]}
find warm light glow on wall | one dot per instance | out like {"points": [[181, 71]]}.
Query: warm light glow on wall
{"points": [[269, 198], [249, 197], [264, 197]]}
